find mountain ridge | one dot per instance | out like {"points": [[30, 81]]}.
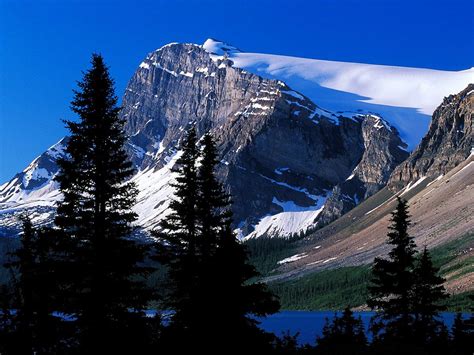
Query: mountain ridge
{"points": [[283, 156]]}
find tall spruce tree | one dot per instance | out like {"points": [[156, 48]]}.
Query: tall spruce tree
{"points": [[427, 294], [177, 247], [233, 299], [211, 294], [390, 291], [95, 217]]}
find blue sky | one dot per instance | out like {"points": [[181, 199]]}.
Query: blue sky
{"points": [[44, 45]]}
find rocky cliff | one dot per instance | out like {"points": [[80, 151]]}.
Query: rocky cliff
{"points": [[448, 142], [282, 155], [383, 151]]}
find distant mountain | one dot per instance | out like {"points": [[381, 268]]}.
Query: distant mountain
{"points": [[291, 162], [449, 141], [406, 97], [437, 180]]}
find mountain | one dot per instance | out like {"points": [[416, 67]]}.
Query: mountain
{"points": [[406, 97], [297, 152], [437, 180], [449, 141]]}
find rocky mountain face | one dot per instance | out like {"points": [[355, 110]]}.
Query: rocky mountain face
{"points": [[37, 177], [437, 180], [448, 142], [383, 151], [288, 163]]}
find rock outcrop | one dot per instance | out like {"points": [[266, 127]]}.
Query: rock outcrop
{"points": [[448, 142]]}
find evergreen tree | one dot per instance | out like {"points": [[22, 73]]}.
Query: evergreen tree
{"points": [[428, 293], [390, 291], [234, 301], [177, 247], [107, 293], [211, 294], [344, 335]]}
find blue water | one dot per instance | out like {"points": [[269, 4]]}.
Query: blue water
{"points": [[310, 324]]}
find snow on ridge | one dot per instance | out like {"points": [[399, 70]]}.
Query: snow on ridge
{"points": [[36, 174], [219, 48], [351, 176], [405, 96], [396, 87], [380, 122], [154, 193], [293, 258], [411, 185], [57, 150], [293, 219]]}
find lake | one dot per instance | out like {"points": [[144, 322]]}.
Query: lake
{"points": [[310, 324]]}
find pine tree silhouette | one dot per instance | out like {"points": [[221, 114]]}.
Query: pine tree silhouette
{"points": [[95, 217], [212, 296], [392, 283], [177, 248], [234, 300], [428, 293]]}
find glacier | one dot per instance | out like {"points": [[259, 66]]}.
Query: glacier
{"points": [[405, 96]]}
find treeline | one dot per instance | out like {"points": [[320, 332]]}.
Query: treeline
{"points": [[334, 289], [265, 252], [81, 286], [407, 295], [326, 289]]}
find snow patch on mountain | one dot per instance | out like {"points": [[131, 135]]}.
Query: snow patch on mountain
{"points": [[405, 96], [292, 258], [293, 219], [155, 193]]}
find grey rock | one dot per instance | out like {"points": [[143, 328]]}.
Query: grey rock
{"points": [[449, 141]]}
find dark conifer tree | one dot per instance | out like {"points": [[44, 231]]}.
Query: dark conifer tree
{"points": [[95, 217], [391, 287], [178, 247], [427, 294], [212, 296], [233, 299], [343, 335]]}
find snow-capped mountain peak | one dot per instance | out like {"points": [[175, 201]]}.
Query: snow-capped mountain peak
{"points": [[294, 151], [214, 46], [405, 96]]}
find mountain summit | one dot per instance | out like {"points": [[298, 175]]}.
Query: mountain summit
{"points": [[296, 154]]}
